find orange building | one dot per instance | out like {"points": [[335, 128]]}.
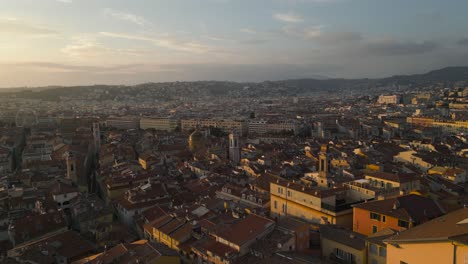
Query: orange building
{"points": [[398, 213]]}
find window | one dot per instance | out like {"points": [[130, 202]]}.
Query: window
{"points": [[373, 249], [384, 218], [289, 193], [347, 257], [382, 251], [280, 190], [275, 204], [375, 216], [374, 261], [374, 229], [402, 223], [284, 208]]}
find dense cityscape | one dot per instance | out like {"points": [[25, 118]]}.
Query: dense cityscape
{"points": [[233, 132], [221, 172]]}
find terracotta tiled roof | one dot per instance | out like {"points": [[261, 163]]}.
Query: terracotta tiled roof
{"points": [[401, 178], [210, 244], [68, 244], [246, 229], [409, 207], [452, 226], [343, 236], [37, 225]]}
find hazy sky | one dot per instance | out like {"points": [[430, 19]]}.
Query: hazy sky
{"points": [[69, 42]]}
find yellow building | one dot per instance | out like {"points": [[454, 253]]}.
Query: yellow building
{"points": [[441, 240], [450, 125], [376, 248], [169, 231], [313, 205]]}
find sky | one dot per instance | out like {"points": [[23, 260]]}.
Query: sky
{"points": [[84, 42]]}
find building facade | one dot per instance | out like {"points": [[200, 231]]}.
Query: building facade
{"points": [[166, 124]]}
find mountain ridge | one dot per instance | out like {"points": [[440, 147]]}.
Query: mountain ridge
{"points": [[305, 86]]}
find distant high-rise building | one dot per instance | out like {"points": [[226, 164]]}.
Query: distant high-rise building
{"points": [[234, 149]]}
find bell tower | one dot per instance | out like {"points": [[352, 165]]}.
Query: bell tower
{"points": [[234, 149], [71, 168], [97, 137], [324, 162]]}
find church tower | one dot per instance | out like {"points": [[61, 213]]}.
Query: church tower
{"points": [[324, 162], [71, 168], [97, 137], [234, 149]]}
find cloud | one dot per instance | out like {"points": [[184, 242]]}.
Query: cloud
{"points": [[256, 41], [215, 38], [303, 33], [165, 42], [311, 1], [85, 48], [135, 19], [219, 1], [288, 17], [334, 38], [16, 26], [64, 68], [65, 1], [248, 30], [397, 48], [463, 42], [317, 34], [313, 32]]}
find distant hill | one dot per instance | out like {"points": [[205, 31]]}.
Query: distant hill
{"points": [[448, 74], [170, 90]]}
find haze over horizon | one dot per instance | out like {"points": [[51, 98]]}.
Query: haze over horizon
{"points": [[82, 42]]}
